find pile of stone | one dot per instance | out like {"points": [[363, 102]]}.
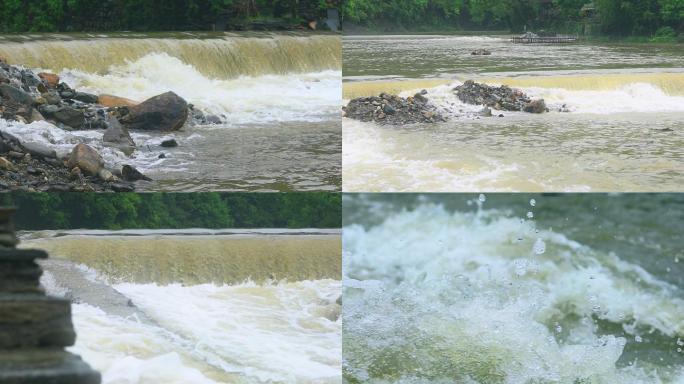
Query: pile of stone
{"points": [[34, 328], [28, 97], [500, 98], [392, 109]]}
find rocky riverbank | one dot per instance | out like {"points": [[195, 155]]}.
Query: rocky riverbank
{"points": [[394, 110], [27, 97]]}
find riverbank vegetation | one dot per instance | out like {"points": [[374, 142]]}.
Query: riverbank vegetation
{"points": [[39, 211], [659, 20], [158, 15]]}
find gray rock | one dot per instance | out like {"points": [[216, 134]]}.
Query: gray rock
{"points": [[213, 119], [105, 175], [16, 95], [39, 150], [88, 98], [169, 143], [118, 136], [129, 173], [535, 106], [86, 158], [69, 116], [52, 97]]}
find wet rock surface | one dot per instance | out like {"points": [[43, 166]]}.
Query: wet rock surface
{"points": [[27, 97], [166, 112], [37, 169], [34, 328], [117, 135], [394, 110], [499, 98]]}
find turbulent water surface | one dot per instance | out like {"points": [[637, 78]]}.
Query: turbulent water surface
{"points": [[277, 96], [207, 306], [622, 128], [513, 289]]}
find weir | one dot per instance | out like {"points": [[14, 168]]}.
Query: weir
{"points": [[219, 259], [671, 83], [34, 327], [219, 56]]}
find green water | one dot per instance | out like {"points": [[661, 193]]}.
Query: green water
{"points": [[443, 287]]}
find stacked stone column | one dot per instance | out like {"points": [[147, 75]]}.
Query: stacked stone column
{"points": [[34, 328]]}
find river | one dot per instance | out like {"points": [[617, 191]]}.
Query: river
{"points": [[276, 94], [200, 306], [621, 129], [513, 288]]}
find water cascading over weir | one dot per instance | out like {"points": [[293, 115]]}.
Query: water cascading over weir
{"points": [[34, 328]]}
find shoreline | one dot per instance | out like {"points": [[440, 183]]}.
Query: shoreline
{"points": [[358, 31]]}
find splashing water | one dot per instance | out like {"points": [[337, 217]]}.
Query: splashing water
{"points": [[469, 309]]}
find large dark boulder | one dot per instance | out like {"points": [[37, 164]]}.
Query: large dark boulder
{"points": [[165, 112]]}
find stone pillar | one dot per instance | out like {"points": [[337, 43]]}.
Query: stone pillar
{"points": [[34, 327]]}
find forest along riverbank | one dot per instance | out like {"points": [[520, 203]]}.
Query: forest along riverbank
{"points": [[612, 115], [254, 303], [263, 106], [513, 289]]}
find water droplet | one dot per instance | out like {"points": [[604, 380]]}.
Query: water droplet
{"points": [[559, 329], [668, 269], [530, 215], [539, 247], [482, 198], [533, 202], [638, 339], [680, 342], [679, 350], [676, 259]]}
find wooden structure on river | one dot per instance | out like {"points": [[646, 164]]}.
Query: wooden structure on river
{"points": [[531, 38]]}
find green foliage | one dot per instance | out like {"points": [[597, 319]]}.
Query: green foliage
{"points": [[615, 17], [174, 210], [141, 15], [665, 35]]}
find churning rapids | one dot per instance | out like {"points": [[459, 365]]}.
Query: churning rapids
{"points": [[621, 127], [277, 96], [201, 306], [516, 289]]}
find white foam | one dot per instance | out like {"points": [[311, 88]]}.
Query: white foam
{"points": [[464, 296], [285, 333], [245, 100], [63, 141], [628, 98], [126, 351]]}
